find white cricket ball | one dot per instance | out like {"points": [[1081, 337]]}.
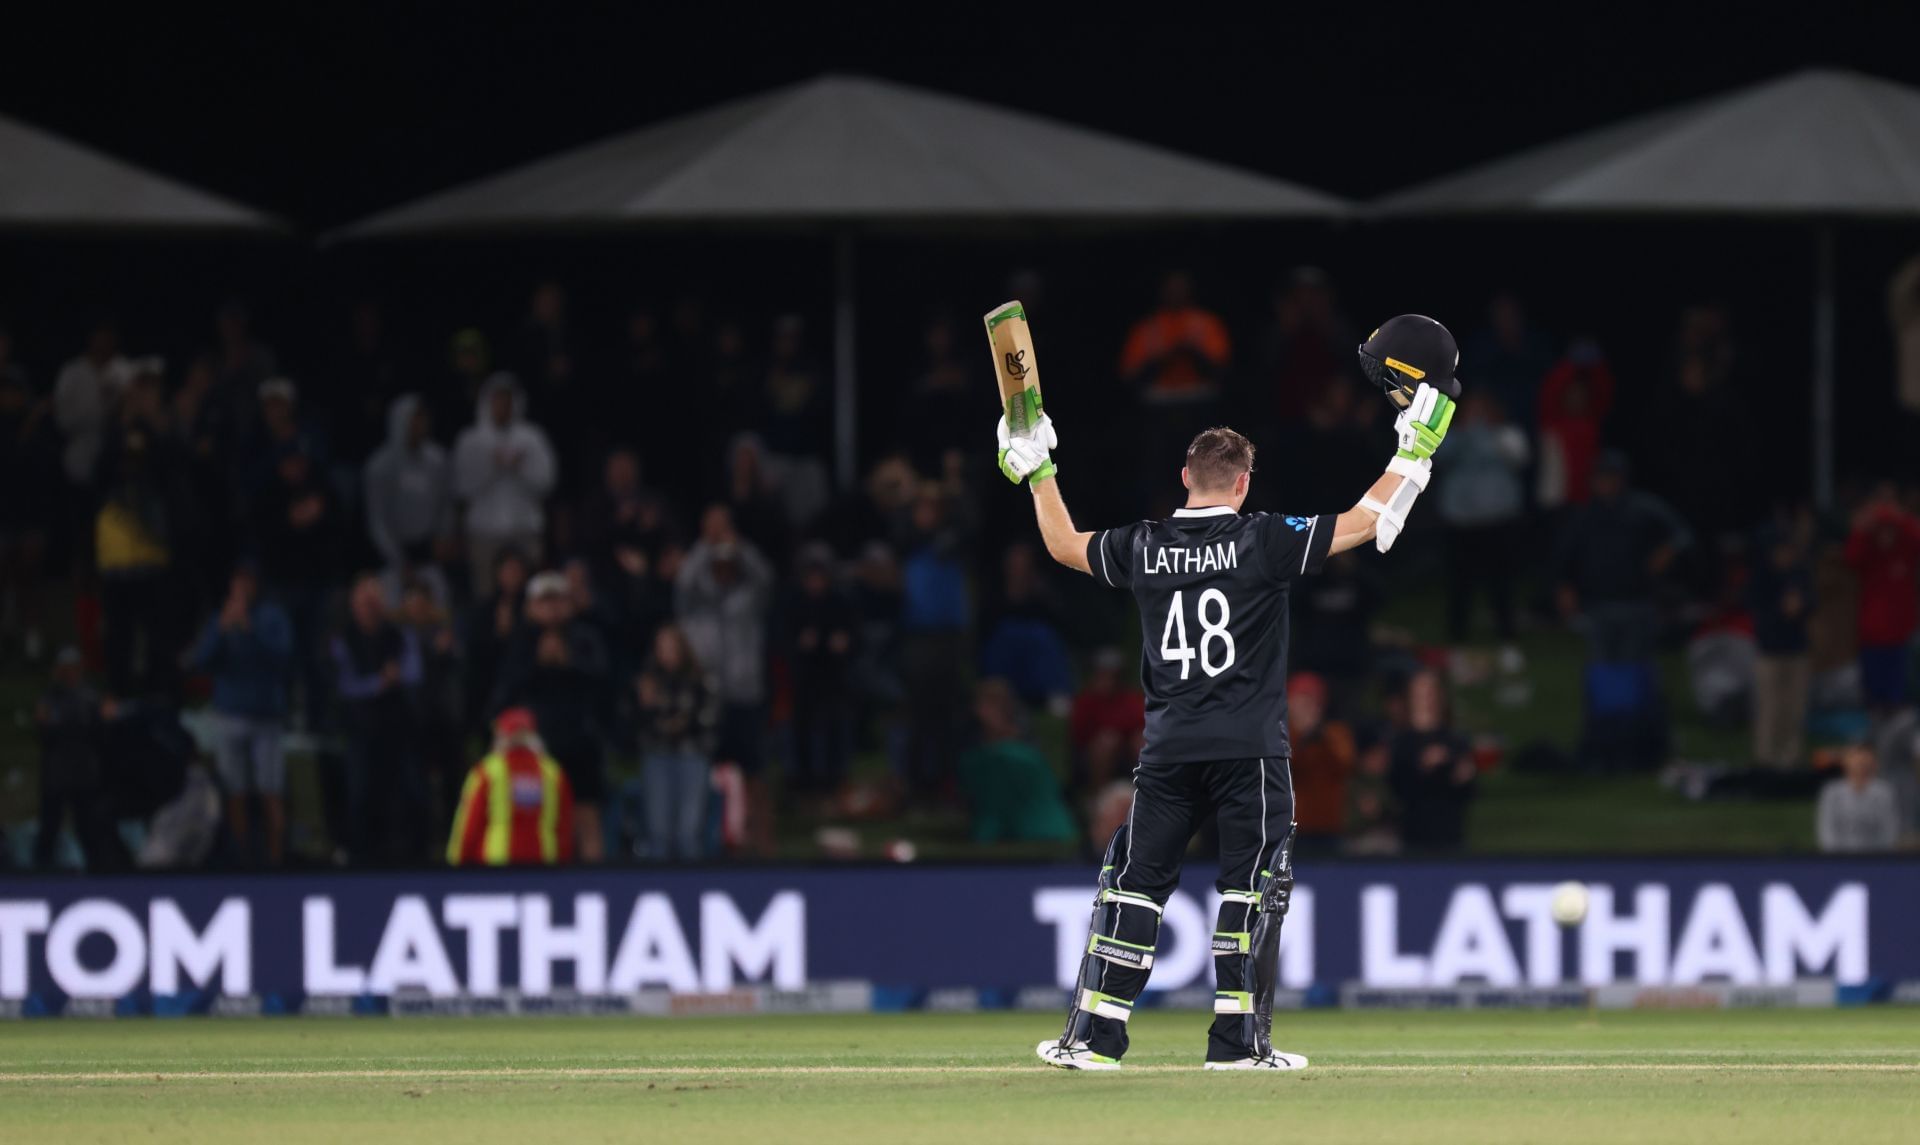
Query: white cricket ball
{"points": [[1570, 903]]}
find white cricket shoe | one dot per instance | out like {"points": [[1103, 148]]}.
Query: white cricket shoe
{"points": [[1075, 1055], [1274, 1060]]}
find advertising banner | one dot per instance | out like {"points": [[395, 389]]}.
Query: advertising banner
{"points": [[141, 942]]}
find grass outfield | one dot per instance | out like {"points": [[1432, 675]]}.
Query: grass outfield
{"points": [[1699, 1078]]}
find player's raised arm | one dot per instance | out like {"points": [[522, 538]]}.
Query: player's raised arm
{"points": [[1381, 514], [1412, 359], [1027, 457]]}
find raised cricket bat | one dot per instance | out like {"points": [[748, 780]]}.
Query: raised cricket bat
{"points": [[1014, 362]]}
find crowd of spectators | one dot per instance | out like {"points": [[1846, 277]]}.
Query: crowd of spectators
{"points": [[631, 537]]}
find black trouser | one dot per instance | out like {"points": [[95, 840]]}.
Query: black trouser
{"points": [[1251, 801]]}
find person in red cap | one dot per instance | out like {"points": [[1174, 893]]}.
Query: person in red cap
{"points": [[516, 808]]}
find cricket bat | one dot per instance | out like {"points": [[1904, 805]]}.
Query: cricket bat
{"points": [[1013, 361]]}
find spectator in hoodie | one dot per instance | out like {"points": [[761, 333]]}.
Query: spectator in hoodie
{"points": [[1780, 599], [378, 671], [504, 469], [678, 716], [721, 599], [1482, 499], [556, 666], [248, 651], [1884, 552], [409, 498], [1575, 399], [821, 626]]}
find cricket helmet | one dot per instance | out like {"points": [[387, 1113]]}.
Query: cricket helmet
{"points": [[1406, 351]]}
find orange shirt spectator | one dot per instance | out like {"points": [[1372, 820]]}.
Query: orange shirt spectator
{"points": [[1323, 753], [1180, 351]]}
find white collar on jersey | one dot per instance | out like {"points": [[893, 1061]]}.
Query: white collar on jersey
{"points": [[1209, 511]]}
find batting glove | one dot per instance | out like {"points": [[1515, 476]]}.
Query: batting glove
{"points": [[1422, 426], [1025, 456]]}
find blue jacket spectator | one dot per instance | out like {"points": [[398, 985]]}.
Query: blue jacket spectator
{"points": [[248, 650]]}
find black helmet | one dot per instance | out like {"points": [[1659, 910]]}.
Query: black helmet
{"points": [[1406, 351]]}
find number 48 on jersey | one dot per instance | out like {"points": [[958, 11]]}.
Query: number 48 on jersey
{"points": [[1213, 634]]}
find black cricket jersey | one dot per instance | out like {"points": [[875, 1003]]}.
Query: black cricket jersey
{"points": [[1212, 589]]}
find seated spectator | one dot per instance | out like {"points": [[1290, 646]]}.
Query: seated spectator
{"points": [[722, 598], [1108, 722], [1024, 645], [556, 666], [821, 626], [71, 716], [1323, 758], [516, 808], [678, 715], [248, 650], [504, 469], [1780, 599], [1011, 792], [1433, 772], [377, 675], [1482, 499], [409, 499], [1884, 552], [1859, 811]]}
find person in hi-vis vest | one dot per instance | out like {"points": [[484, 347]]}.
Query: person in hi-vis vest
{"points": [[516, 807]]}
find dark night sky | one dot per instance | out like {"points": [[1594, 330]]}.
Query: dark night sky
{"points": [[332, 111]]}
